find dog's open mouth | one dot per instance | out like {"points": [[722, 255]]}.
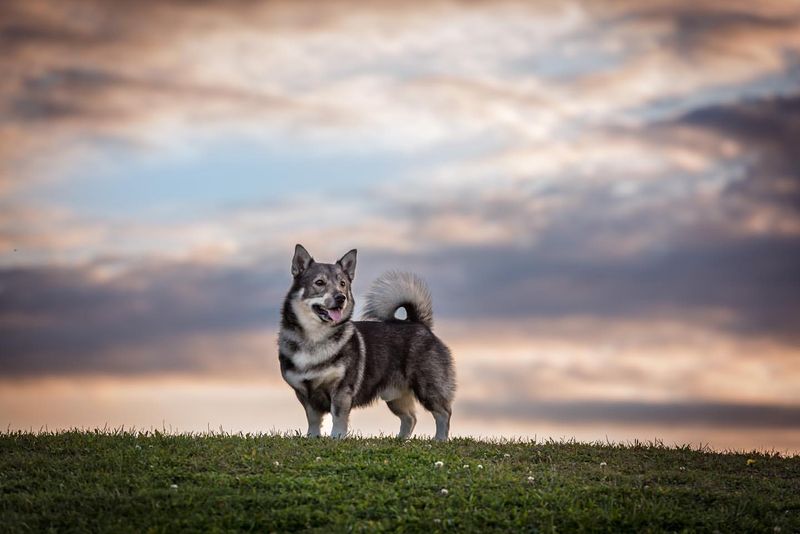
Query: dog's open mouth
{"points": [[328, 314]]}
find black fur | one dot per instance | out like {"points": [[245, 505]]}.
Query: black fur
{"points": [[401, 351]]}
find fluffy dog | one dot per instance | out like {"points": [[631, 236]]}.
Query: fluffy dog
{"points": [[335, 364]]}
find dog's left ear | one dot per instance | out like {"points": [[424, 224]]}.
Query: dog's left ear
{"points": [[348, 263]]}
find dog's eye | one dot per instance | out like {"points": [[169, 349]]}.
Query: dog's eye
{"points": [[342, 283], [320, 282]]}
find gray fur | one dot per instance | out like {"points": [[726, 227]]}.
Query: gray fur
{"points": [[393, 290], [336, 365]]}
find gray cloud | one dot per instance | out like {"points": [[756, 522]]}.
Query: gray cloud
{"points": [[693, 414], [754, 281], [67, 321], [699, 26], [770, 130]]}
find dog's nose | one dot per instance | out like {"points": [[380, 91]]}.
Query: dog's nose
{"points": [[339, 298]]}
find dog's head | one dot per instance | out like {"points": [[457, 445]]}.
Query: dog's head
{"points": [[322, 291]]}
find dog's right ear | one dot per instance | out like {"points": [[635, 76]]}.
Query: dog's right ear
{"points": [[302, 259]]}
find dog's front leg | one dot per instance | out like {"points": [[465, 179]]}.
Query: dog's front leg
{"points": [[314, 421], [313, 416], [341, 403]]}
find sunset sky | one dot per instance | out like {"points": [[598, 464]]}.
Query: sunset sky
{"points": [[604, 198]]}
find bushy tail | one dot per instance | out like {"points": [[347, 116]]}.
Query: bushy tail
{"points": [[393, 290]]}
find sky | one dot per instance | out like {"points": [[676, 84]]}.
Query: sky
{"points": [[604, 198]]}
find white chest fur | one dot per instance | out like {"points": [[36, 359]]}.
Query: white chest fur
{"points": [[303, 360], [317, 377]]}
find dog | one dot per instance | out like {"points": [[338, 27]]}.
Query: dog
{"points": [[334, 363]]}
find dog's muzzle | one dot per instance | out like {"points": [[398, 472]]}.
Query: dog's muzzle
{"points": [[332, 313], [328, 315]]}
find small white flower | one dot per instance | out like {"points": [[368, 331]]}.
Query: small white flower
{"points": [[480, 466], [531, 480], [465, 466], [173, 486], [276, 463], [318, 459], [444, 491], [506, 455], [603, 464], [682, 468], [438, 464]]}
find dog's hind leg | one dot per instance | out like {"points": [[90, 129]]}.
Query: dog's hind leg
{"points": [[435, 388], [441, 415], [440, 408], [403, 407], [434, 384]]}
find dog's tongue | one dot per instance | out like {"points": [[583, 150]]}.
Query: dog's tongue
{"points": [[336, 315]]}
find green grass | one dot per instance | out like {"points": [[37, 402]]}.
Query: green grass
{"points": [[121, 481]]}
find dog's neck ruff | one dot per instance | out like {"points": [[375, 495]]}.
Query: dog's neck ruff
{"points": [[298, 338]]}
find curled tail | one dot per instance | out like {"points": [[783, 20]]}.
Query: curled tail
{"points": [[393, 290]]}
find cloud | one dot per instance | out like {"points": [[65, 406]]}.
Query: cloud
{"points": [[633, 360], [74, 319], [769, 129], [32, 235], [675, 247], [96, 95], [703, 221], [698, 414], [750, 283], [148, 73], [702, 27], [153, 319]]}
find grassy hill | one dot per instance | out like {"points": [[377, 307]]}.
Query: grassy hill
{"points": [[121, 481]]}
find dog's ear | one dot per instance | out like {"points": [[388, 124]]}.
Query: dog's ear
{"points": [[348, 263], [302, 259]]}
